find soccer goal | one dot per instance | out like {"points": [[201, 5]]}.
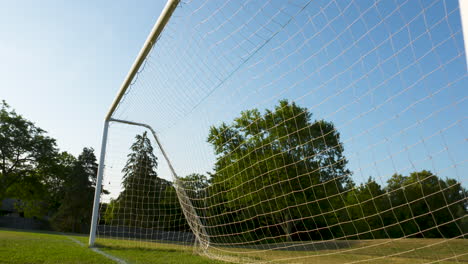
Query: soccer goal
{"points": [[293, 132]]}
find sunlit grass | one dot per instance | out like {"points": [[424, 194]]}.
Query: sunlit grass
{"points": [[39, 247], [151, 252], [21, 247], [51, 248], [366, 251]]}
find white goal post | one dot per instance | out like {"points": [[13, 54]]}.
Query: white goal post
{"points": [[464, 20], [149, 43]]}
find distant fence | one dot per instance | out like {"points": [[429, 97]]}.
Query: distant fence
{"points": [[18, 222], [145, 233]]}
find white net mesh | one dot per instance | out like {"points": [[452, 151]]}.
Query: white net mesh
{"points": [[141, 203], [299, 132]]}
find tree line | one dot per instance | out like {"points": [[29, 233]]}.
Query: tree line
{"points": [[48, 184], [281, 176]]}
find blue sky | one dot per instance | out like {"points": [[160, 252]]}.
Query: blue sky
{"points": [[62, 62], [391, 75]]}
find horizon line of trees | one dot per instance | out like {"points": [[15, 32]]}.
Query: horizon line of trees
{"points": [[419, 205], [281, 176]]}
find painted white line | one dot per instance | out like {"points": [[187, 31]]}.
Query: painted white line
{"points": [[109, 256], [74, 240]]}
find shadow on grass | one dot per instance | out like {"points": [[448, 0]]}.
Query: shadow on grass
{"points": [[48, 232], [138, 248], [305, 246]]}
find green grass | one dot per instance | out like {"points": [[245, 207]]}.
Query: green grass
{"points": [[150, 252], [21, 247], [36, 247], [28, 247], [379, 251]]}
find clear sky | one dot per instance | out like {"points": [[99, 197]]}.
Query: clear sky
{"points": [[62, 62], [391, 76]]}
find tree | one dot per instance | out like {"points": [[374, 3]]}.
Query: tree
{"points": [[427, 206], [55, 180], [280, 165], [25, 153], [144, 197], [88, 162], [195, 185], [367, 203], [41, 193], [74, 212]]}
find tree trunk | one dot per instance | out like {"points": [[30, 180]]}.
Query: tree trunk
{"points": [[287, 226]]}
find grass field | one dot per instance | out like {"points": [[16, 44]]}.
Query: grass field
{"points": [[22, 247], [36, 247], [380, 251]]}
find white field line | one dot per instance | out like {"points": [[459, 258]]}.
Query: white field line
{"points": [[109, 256]]}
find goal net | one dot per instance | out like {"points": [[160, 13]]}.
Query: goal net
{"points": [[295, 132]]}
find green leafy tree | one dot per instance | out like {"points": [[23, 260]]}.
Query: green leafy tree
{"points": [[276, 168], [26, 154], [56, 179], [42, 194], [170, 211], [74, 212], [145, 198], [195, 185], [427, 206], [367, 203]]}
